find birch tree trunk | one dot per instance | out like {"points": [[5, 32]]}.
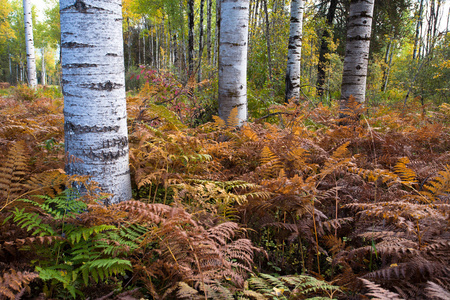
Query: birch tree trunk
{"points": [[95, 121], [294, 51], [357, 51], [44, 73], [233, 59], [269, 55], [31, 58]]}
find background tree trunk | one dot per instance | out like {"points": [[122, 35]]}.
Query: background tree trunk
{"points": [[95, 121], [294, 51], [357, 51], [269, 55], [191, 38], [44, 75], [233, 59], [200, 42], [31, 58]]}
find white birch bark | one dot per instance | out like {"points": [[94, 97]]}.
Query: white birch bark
{"points": [[233, 59], [294, 51], [44, 73], [29, 42], [95, 121], [357, 51]]}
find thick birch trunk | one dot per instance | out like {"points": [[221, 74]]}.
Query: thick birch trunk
{"points": [[95, 120], [31, 58], [233, 59], [294, 51], [357, 51]]}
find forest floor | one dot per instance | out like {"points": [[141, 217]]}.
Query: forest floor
{"points": [[294, 206]]}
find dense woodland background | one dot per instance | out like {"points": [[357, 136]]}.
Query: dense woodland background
{"points": [[293, 205]]}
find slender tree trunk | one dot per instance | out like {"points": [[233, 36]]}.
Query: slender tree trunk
{"points": [[218, 21], [200, 42], [191, 38], [294, 52], [388, 62], [95, 120], [269, 55], [357, 51], [44, 73], [208, 37], [31, 58], [418, 30], [233, 60], [324, 48]]}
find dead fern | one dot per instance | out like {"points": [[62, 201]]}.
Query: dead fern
{"points": [[13, 283]]}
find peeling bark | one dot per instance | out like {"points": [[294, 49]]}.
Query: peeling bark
{"points": [[95, 122], [234, 16]]}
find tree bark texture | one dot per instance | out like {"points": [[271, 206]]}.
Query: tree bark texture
{"points": [[95, 121], [324, 48], [29, 42], [209, 29], [191, 38], [269, 55], [294, 51], [200, 42], [357, 51], [44, 73], [233, 59], [418, 30]]}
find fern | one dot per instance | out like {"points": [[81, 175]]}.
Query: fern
{"points": [[12, 173], [13, 283], [436, 291], [288, 287], [378, 292]]}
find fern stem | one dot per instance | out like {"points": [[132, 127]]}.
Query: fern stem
{"points": [[315, 234]]}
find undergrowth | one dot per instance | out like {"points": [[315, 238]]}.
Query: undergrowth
{"points": [[317, 204]]}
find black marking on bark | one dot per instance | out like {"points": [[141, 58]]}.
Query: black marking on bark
{"points": [[120, 142], [70, 95], [107, 86], [63, 81], [80, 6], [72, 66], [79, 129], [75, 45], [359, 38], [112, 54]]}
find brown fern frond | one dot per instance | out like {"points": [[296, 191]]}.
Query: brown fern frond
{"points": [[378, 292], [50, 183], [12, 173], [436, 291], [12, 283], [407, 176]]}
